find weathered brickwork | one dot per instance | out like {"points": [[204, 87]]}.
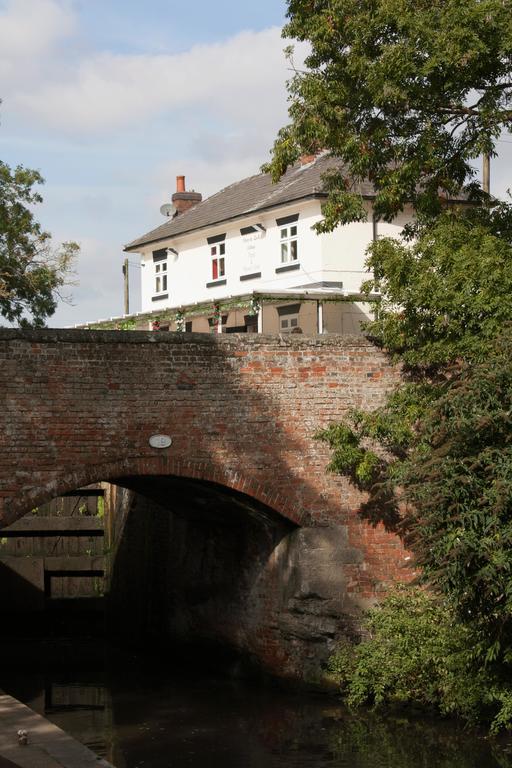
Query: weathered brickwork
{"points": [[78, 407]]}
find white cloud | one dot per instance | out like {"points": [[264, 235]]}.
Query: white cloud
{"points": [[122, 126], [98, 292], [30, 29], [105, 92]]}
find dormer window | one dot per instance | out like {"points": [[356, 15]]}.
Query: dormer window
{"points": [[218, 264], [160, 274]]}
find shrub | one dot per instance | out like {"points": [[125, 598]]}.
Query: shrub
{"points": [[417, 654]]}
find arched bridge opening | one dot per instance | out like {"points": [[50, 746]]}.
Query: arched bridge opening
{"points": [[188, 561]]}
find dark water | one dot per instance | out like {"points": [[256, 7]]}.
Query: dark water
{"points": [[157, 710]]}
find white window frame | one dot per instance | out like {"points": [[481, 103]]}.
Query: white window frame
{"points": [[161, 277], [218, 257], [289, 238], [288, 322]]}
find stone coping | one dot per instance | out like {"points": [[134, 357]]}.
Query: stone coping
{"points": [[78, 336], [48, 746]]}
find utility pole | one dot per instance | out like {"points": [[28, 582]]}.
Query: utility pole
{"points": [[486, 173], [126, 288]]}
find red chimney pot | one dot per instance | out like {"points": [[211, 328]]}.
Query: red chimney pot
{"points": [[183, 200]]}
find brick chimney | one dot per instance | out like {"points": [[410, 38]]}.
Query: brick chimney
{"points": [[306, 159], [183, 200]]}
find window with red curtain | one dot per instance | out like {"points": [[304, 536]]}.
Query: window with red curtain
{"points": [[218, 266]]}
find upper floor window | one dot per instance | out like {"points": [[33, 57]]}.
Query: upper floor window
{"points": [[160, 271], [289, 244], [218, 263], [160, 276], [217, 256], [288, 238]]}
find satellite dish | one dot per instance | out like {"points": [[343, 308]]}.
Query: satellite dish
{"points": [[167, 209]]}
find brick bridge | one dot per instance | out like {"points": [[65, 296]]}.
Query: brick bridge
{"points": [[240, 496]]}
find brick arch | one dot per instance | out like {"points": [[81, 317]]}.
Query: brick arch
{"points": [[162, 466]]}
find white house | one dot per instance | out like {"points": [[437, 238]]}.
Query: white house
{"points": [[248, 259]]}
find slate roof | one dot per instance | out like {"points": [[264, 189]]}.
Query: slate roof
{"points": [[257, 193]]}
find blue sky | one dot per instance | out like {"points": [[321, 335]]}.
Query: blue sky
{"points": [[112, 100]]}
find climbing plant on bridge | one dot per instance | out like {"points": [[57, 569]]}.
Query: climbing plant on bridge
{"points": [[32, 271]]}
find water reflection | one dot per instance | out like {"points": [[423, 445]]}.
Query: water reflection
{"points": [[139, 714]]}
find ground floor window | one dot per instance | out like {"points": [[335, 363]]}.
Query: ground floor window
{"points": [[289, 318]]}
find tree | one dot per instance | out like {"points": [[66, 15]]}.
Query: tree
{"points": [[446, 306], [31, 272], [407, 93]]}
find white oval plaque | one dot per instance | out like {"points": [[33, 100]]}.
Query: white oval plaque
{"points": [[160, 441]]}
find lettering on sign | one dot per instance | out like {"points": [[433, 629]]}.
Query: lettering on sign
{"points": [[252, 263], [160, 441]]}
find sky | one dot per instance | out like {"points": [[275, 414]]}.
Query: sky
{"points": [[112, 100]]}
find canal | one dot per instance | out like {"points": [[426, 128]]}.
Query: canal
{"points": [[161, 708]]}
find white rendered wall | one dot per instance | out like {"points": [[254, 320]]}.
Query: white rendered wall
{"points": [[335, 257], [344, 250], [191, 271]]}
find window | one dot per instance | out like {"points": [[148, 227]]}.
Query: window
{"points": [[287, 324], [289, 318], [251, 323], [289, 244], [160, 276], [218, 265]]}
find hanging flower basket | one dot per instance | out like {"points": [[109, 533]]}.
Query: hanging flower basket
{"points": [[179, 319], [254, 306], [216, 314]]}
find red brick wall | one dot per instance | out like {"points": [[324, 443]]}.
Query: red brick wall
{"points": [[79, 407]]}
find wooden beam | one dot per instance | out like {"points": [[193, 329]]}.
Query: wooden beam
{"points": [[31, 525], [75, 564]]}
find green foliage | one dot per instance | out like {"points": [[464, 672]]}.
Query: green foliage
{"points": [[31, 272], [418, 654], [446, 484], [407, 93], [448, 295], [458, 482], [127, 325], [441, 473]]}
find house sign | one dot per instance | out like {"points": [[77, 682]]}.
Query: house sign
{"points": [[160, 441], [250, 245]]}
